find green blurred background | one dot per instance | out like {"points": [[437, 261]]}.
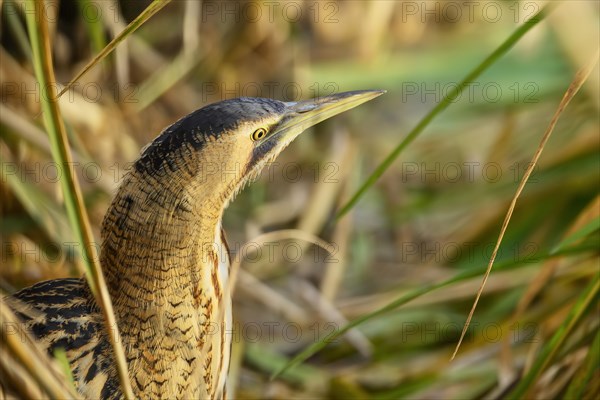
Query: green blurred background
{"points": [[435, 214]]}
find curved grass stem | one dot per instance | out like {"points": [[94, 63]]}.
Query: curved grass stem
{"points": [[37, 25]]}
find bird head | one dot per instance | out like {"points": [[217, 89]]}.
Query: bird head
{"points": [[225, 145], [168, 208]]}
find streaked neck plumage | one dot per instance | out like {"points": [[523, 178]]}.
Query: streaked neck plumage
{"points": [[166, 266]]}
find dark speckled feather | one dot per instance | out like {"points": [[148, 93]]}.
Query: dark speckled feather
{"points": [[62, 314]]}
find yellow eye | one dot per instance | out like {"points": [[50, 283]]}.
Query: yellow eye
{"points": [[258, 134]]}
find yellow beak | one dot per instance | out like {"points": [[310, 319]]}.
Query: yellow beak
{"points": [[301, 115]]}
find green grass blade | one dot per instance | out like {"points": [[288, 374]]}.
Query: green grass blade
{"points": [[557, 340], [40, 207], [264, 359], [152, 9], [58, 137], [585, 230], [442, 105], [164, 79], [15, 24], [582, 379], [42, 62], [413, 294], [94, 26], [63, 361]]}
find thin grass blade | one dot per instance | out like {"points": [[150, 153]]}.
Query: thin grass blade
{"points": [[446, 101], [152, 9], [413, 294], [37, 25], [582, 379], [93, 25], [548, 352], [572, 90], [587, 229]]}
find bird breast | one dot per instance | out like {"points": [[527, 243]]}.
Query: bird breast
{"points": [[180, 347]]}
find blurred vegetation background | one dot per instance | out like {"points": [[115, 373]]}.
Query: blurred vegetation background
{"points": [[423, 233]]}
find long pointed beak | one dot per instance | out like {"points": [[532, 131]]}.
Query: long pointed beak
{"points": [[301, 115]]}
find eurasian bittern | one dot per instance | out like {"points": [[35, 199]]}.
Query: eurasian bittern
{"points": [[164, 253]]}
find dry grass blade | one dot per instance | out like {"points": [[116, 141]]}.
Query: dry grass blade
{"points": [[330, 313], [37, 137], [590, 213], [543, 277], [180, 66], [573, 88], [165, 78], [283, 234], [271, 298], [40, 42], [152, 9]]}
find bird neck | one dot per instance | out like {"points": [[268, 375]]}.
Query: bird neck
{"points": [[166, 265], [161, 244]]}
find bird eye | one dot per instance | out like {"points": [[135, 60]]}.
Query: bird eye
{"points": [[258, 134]]}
